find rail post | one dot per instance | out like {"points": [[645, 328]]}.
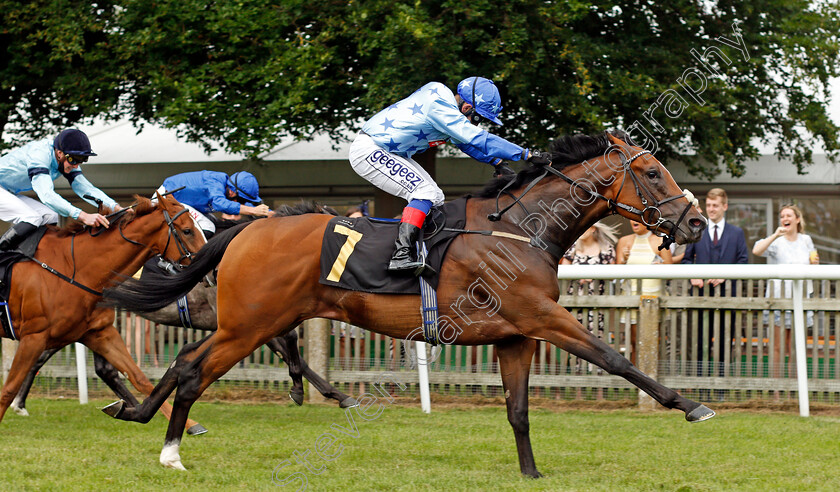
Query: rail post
{"points": [[317, 339], [648, 345]]}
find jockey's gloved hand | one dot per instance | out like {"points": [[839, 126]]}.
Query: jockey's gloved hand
{"points": [[502, 169], [537, 157]]}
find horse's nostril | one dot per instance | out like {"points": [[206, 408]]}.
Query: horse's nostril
{"points": [[695, 223]]}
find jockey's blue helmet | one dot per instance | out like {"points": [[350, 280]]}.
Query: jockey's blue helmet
{"points": [[73, 142], [245, 185], [484, 97]]}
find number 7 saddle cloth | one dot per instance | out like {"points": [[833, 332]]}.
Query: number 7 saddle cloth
{"points": [[355, 252]]}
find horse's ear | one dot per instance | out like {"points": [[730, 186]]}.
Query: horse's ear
{"points": [[161, 201], [615, 140]]}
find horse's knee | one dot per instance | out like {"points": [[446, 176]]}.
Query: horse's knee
{"points": [[189, 379], [616, 363], [519, 422], [518, 418], [104, 369]]}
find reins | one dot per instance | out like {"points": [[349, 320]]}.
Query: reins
{"points": [[172, 231], [641, 190]]}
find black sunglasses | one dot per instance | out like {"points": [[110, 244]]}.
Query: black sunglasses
{"points": [[74, 159]]}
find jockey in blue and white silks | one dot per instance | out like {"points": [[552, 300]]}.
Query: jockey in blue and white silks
{"points": [[432, 116], [203, 192], [34, 167]]}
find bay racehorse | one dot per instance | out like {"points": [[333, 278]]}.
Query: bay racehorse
{"points": [[201, 309], [49, 312], [268, 281], [201, 304]]}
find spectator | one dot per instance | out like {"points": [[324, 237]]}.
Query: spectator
{"points": [[594, 247], [361, 210], [34, 167], [722, 244], [203, 192], [142, 327], [640, 248], [787, 245], [354, 213]]}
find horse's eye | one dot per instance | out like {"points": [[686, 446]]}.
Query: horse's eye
{"points": [[652, 174], [187, 232]]}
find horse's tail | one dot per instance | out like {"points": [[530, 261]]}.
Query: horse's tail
{"points": [[157, 289]]}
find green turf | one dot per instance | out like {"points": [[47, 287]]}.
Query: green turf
{"points": [[67, 446]]}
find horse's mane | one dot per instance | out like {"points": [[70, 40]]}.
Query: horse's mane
{"points": [[143, 207], [304, 207], [565, 151]]}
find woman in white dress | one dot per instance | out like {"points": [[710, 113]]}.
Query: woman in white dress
{"points": [[787, 245]]}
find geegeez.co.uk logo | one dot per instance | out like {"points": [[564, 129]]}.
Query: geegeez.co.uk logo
{"points": [[395, 169]]}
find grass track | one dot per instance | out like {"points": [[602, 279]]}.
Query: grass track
{"points": [[67, 446]]}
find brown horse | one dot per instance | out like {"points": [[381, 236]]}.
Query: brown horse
{"points": [[268, 281], [201, 304], [201, 308], [50, 312]]}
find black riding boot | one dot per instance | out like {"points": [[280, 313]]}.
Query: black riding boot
{"points": [[15, 235], [404, 258]]}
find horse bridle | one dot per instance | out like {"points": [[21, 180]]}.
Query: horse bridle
{"points": [[173, 232], [667, 238], [650, 209], [179, 241], [170, 222]]}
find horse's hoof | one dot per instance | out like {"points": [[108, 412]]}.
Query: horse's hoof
{"points": [[348, 402], [196, 430], [534, 474], [115, 409], [700, 414], [170, 458], [296, 397], [21, 411]]}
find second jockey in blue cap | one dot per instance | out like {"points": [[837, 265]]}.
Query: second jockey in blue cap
{"points": [[204, 192], [432, 116]]}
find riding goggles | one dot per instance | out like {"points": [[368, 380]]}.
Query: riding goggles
{"points": [[75, 159]]}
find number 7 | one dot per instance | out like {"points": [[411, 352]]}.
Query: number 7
{"points": [[344, 253]]}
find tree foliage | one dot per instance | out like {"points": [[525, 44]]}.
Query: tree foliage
{"points": [[247, 74], [56, 66]]}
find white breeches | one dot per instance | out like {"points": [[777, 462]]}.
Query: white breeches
{"points": [[391, 173], [21, 208]]}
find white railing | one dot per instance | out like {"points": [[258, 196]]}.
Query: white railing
{"points": [[796, 273]]}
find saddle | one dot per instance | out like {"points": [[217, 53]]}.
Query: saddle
{"points": [[7, 260], [355, 251]]}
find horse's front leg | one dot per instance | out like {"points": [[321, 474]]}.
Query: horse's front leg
{"points": [[19, 403], [30, 348], [515, 366], [565, 331], [108, 343], [111, 376]]}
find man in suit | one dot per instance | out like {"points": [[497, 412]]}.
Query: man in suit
{"points": [[722, 244]]}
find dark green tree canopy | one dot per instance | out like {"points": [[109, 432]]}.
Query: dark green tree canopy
{"points": [[709, 79]]}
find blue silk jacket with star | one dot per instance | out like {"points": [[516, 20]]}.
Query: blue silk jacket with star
{"points": [[430, 117]]}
